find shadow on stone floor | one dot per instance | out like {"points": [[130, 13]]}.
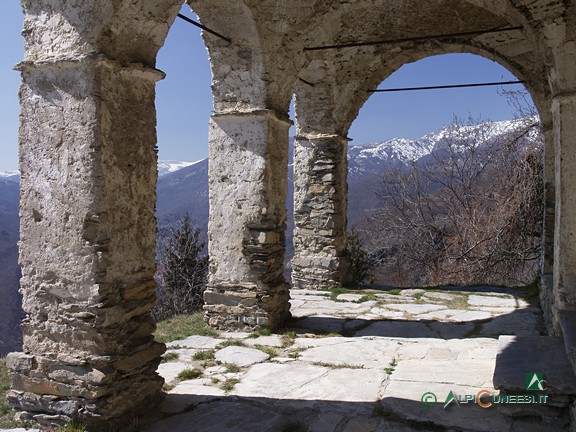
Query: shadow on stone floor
{"points": [[391, 414], [519, 323], [485, 289]]}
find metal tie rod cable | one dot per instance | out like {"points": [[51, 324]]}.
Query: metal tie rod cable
{"points": [[197, 24], [446, 86], [414, 39]]}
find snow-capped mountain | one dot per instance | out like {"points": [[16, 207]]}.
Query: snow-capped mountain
{"points": [[13, 176], [183, 187], [164, 167], [362, 159], [167, 167]]}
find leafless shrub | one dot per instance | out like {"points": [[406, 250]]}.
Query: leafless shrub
{"points": [[469, 213]]}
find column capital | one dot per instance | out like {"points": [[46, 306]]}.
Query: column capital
{"points": [[317, 136], [255, 113], [95, 59], [564, 96]]}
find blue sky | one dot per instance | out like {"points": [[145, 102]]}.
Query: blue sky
{"points": [[184, 101]]}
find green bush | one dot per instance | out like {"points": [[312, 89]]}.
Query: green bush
{"points": [[361, 266]]}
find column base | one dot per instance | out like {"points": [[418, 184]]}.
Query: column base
{"points": [[98, 392], [316, 272], [246, 307]]}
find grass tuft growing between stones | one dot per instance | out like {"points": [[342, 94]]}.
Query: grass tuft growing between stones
{"points": [[6, 412], [188, 374], [391, 368], [72, 427], [336, 291], [229, 384], [232, 368], [168, 357], [231, 342], [288, 339], [181, 327], [367, 297], [260, 332], [268, 350], [338, 365], [204, 355]]}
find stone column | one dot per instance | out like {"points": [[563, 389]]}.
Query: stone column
{"points": [[320, 197], [87, 248], [248, 174]]}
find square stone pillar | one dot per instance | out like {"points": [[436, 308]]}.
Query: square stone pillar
{"points": [[320, 198], [547, 301], [87, 244], [564, 115], [248, 174]]}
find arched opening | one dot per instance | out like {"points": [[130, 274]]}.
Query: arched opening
{"points": [[183, 108], [427, 194], [96, 188]]}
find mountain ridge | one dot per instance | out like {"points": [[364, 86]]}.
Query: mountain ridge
{"points": [[183, 187]]}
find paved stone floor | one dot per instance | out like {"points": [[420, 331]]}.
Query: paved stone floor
{"points": [[353, 362]]}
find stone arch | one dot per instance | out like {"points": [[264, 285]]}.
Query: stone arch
{"points": [[534, 80], [88, 168], [88, 164], [335, 85]]}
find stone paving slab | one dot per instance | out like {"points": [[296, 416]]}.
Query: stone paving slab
{"points": [[475, 373], [303, 381], [393, 298], [234, 335], [198, 342], [272, 341], [169, 371], [228, 417], [350, 297], [520, 355], [185, 395], [382, 313], [241, 356], [438, 296], [444, 314], [499, 301], [467, 316], [416, 308], [369, 376], [364, 353], [519, 323]]}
